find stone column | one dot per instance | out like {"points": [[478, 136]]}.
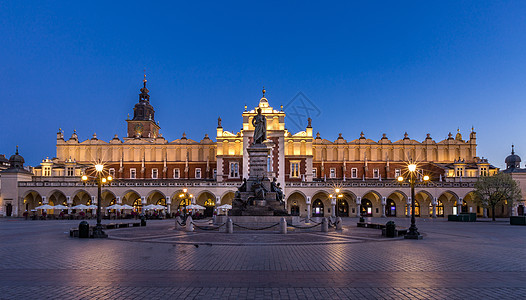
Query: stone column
{"points": [[308, 208], [514, 209], [69, 201], [143, 200], [118, 200], [168, 204], [408, 208], [384, 203], [434, 203], [44, 200], [358, 203], [333, 206], [218, 203], [459, 206], [484, 212]]}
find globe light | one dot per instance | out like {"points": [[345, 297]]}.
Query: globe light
{"points": [[104, 180], [426, 177], [400, 178], [412, 167], [84, 177], [99, 167], [330, 196], [337, 190], [185, 190], [110, 178]]}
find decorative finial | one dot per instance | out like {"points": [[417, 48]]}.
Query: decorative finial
{"points": [[309, 123], [16, 150], [406, 136], [472, 128], [245, 107], [281, 107], [144, 80], [512, 149], [219, 122], [458, 129], [264, 91]]}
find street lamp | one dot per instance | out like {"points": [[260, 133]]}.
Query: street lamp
{"points": [[337, 196], [413, 233], [185, 197], [100, 179]]}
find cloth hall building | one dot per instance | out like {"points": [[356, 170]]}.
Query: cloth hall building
{"points": [[150, 169]]}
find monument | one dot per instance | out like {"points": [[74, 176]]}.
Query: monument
{"points": [[258, 196]]}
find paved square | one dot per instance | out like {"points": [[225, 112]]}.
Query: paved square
{"points": [[480, 260]]}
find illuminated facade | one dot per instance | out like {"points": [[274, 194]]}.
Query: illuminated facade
{"points": [[149, 169]]}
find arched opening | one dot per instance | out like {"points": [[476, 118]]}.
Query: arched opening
{"points": [[449, 199], [395, 204], [227, 198], [317, 208], [417, 209], [32, 200], [366, 208], [207, 200], [342, 208], [134, 199], [371, 204], [464, 207], [390, 208], [297, 205], [440, 208]]}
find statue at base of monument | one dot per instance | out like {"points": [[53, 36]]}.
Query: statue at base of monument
{"points": [[275, 187], [260, 128]]}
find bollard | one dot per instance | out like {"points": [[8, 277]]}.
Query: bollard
{"points": [[390, 229], [283, 226], [189, 224], [229, 226], [83, 229], [214, 219], [178, 222], [143, 220], [339, 225], [324, 225]]}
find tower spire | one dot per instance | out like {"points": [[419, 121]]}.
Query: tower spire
{"points": [[512, 149]]}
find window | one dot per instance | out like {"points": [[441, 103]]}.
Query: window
{"points": [[133, 173], [269, 164], [295, 169], [177, 174], [459, 172], [155, 173], [112, 172], [398, 173], [314, 173], [46, 171], [483, 171], [354, 173], [198, 173], [234, 170], [215, 173], [70, 171], [333, 173], [376, 173]]}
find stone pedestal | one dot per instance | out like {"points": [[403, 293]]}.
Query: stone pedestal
{"points": [[255, 197]]}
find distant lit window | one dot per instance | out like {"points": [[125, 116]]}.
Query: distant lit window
{"points": [[376, 173], [234, 170], [155, 173], [295, 169], [354, 173], [46, 171], [70, 171], [314, 173], [133, 173], [333, 173], [112, 172], [398, 173], [177, 174], [198, 173]]}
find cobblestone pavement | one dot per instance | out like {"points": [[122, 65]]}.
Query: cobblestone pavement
{"points": [[482, 260]]}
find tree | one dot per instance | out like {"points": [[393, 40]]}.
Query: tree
{"points": [[497, 189]]}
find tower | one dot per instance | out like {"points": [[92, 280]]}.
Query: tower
{"points": [[143, 123]]}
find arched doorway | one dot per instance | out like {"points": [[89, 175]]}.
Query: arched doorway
{"points": [[294, 209], [342, 208], [317, 208], [366, 208], [464, 207], [209, 207], [440, 208], [390, 208]]}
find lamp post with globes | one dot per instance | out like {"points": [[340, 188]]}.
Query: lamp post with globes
{"points": [[337, 198], [413, 233], [100, 179], [185, 199]]}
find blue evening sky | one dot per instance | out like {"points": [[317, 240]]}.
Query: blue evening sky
{"points": [[377, 67]]}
